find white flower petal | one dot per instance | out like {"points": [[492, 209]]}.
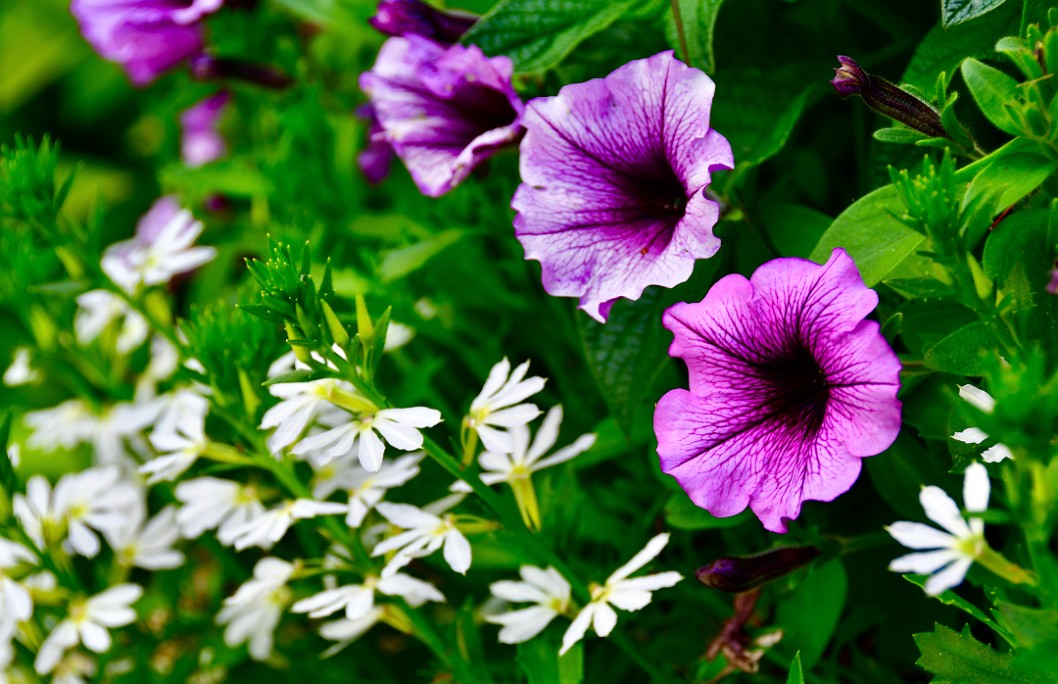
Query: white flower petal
{"points": [[649, 553]]}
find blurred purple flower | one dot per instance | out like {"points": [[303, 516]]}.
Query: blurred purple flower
{"points": [[444, 110], [614, 173], [377, 156], [1052, 286], [202, 142], [414, 18], [789, 388], [146, 37]]}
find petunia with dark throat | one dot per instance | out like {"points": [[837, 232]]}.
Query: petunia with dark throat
{"points": [[790, 388], [614, 173]]}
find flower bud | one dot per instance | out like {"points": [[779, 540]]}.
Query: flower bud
{"points": [[886, 99], [416, 18], [737, 574], [209, 68]]}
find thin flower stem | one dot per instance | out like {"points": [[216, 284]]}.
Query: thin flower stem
{"points": [[680, 31]]}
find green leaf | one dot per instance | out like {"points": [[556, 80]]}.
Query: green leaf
{"points": [[950, 598], [792, 228], [898, 473], [1031, 627], [903, 136], [943, 49], [954, 12], [963, 352], [745, 111], [957, 658], [698, 17], [398, 263], [811, 611], [541, 663], [1009, 177], [796, 674], [8, 478], [872, 235], [683, 514], [992, 89], [538, 34], [628, 351]]}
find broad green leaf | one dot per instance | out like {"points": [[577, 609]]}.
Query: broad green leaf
{"points": [[8, 478], [627, 351], [796, 674], [538, 34], [1018, 257], [1031, 627], [963, 352], [950, 598], [810, 613], [1003, 182], [793, 229], [957, 658], [682, 514], [899, 472], [697, 17], [992, 89], [943, 49], [954, 12], [745, 111], [871, 234], [398, 263]]}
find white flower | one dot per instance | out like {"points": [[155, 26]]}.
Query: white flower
{"points": [[497, 405], [253, 612], [397, 335], [179, 436], [156, 259], [20, 372], [301, 402], [269, 527], [74, 668], [953, 551], [150, 545], [209, 503], [619, 591], [15, 602], [357, 600], [546, 588], [346, 631], [164, 360], [400, 427], [984, 402], [426, 531], [73, 422], [98, 309], [87, 624], [365, 488], [523, 459]]}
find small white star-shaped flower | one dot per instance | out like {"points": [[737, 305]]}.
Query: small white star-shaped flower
{"points": [[545, 588], [984, 402], [426, 530], [953, 551], [497, 406]]}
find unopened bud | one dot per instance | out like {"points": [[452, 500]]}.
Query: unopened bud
{"points": [[737, 574], [886, 99], [415, 18], [209, 68]]}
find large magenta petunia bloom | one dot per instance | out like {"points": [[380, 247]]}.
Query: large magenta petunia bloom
{"points": [[614, 173], [789, 388], [146, 37], [444, 110]]}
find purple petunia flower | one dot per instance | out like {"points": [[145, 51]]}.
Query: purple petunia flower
{"points": [[416, 18], [789, 388], [146, 37], [201, 142], [444, 110], [614, 173]]}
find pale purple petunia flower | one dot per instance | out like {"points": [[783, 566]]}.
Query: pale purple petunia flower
{"points": [[202, 142], [444, 110], [614, 173], [789, 388], [146, 37], [416, 18]]}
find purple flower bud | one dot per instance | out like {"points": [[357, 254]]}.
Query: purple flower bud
{"points": [[1052, 286], [414, 18], [209, 68], [738, 574], [886, 99]]}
